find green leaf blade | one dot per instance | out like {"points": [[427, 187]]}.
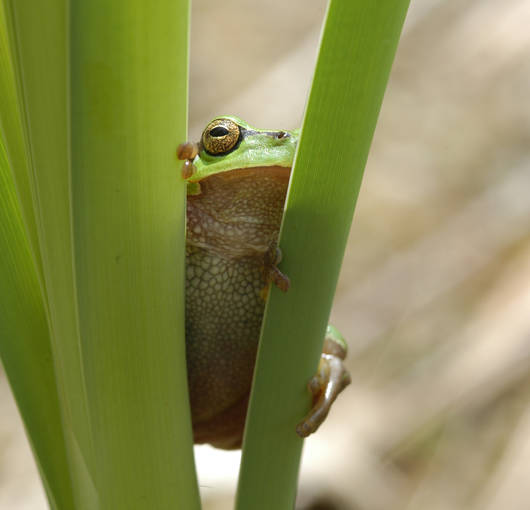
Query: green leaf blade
{"points": [[102, 91], [39, 47], [129, 110], [25, 348], [356, 53]]}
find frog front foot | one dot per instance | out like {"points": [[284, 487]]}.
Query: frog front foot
{"points": [[272, 258], [187, 152], [331, 378]]}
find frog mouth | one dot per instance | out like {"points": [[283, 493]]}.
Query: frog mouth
{"points": [[273, 171]]}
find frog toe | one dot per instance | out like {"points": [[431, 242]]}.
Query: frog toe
{"points": [[280, 279]]}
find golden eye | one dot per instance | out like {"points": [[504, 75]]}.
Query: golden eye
{"points": [[220, 136]]}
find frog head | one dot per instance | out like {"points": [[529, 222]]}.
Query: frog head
{"points": [[229, 143]]}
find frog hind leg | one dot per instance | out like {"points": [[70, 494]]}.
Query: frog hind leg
{"points": [[224, 431], [331, 378]]}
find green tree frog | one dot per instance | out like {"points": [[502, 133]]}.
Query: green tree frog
{"points": [[237, 182]]}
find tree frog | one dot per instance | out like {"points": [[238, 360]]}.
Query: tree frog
{"points": [[237, 182]]}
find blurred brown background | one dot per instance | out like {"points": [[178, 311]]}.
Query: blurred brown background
{"points": [[434, 295]]}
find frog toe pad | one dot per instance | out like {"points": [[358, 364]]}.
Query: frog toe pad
{"points": [[331, 378]]}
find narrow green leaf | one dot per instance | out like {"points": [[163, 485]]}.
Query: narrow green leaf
{"points": [[356, 53], [38, 39], [25, 348], [129, 110], [39, 43], [102, 92], [12, 132]]}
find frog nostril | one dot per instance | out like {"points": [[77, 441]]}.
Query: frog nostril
{"points": [[219, 131]]}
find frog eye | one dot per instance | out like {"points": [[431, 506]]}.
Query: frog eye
{"points": [[220, 136]]}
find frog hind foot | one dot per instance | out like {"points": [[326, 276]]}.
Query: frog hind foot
{"points": [[331, 378]]}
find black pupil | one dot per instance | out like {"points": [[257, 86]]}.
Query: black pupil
{"points": [[219, 131]]}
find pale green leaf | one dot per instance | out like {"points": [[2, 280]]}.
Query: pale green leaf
{"points": [[356, 53]]}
